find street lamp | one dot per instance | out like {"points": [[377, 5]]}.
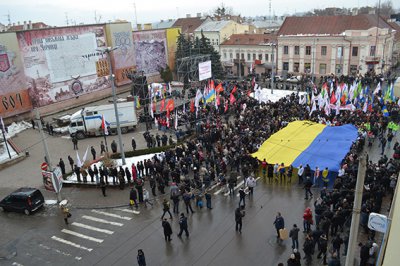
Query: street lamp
{"points": [[108, 51], [273, 68]]}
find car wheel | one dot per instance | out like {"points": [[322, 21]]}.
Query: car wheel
{"points": [[27, 212], [124, 130], [80, 135]]}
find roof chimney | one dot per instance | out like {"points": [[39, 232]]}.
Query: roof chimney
{"points": [[188, 15], [19, 23], [25, 25], [30, 25]]}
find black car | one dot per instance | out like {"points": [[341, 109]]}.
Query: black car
{"points": [[25, 200]]}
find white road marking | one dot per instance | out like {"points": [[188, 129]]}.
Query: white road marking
{"points": [[112, 215], [127, 210], [54, 249], [224, 187], [247, 191], [95, 219], [70, 243], [93, 228], [65, 137], [238, 185], [17, 264], [66, 231]]}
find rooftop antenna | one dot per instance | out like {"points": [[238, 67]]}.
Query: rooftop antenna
{"points": [[8, 18], [97, 19], [270, 15], [66, 18]]}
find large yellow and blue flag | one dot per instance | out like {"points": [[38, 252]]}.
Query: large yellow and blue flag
{"points": [[210, 96]]}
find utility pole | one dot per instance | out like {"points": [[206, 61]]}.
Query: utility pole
{"points": [[46, 150], [134, 7], [108, 50], [355, 221]]}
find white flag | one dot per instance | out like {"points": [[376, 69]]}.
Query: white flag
{"points": [[78, 160], [85, 155], [151, 109], [378, 88], [314, 107], [199, 95], [169, 89], [176, 120]]}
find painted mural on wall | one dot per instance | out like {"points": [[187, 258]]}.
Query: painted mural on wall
{"points": [[150, 50], [60, 63], [123, 58], [14, 97]]}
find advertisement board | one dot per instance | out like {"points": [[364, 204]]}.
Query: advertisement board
{"points": [[13, 88], [52, 181], [123, 59], [60, 63], [204, 70], [150, 51]]}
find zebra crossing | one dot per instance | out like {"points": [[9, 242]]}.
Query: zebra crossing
{"points": [[85, 233]]}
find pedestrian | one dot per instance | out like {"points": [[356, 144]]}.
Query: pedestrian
{"points": [[146, 197], [239, 214], [114, 146], [297, 255], [141, 258], [103, 188], [93, 151], [276, 171], [325, 178], [183, 225], [91, 174], [364, 254], [133, 198], [294, 235], [133, 143], [282, 172], [71, 162], [308, 248], [33, 123], [290, 174], [96, 174], [231, 185], [207, 195], [251, 183], [334, 260], [139, 188], [242, 197], [323, 248], [61, 164], [186, 199], [307, 220], [279, 224], [307, 187], [336, 244], [77, 171], [167, 229], [152, 183], [292, 261], [51, 130], [102, 148], [65, 212], [75, 142], [128, 175], [316, 175], [300, 173], [383, 144], [166, 207]]}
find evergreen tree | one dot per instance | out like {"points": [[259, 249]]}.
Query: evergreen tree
{"points": [[166, 74]]}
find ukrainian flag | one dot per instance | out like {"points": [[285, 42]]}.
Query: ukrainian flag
{"points": [[385, 111], [210, 96], [306, 142]]}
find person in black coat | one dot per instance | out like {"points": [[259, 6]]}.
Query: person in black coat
{"points": [[239, 214], [62, 166], [128, 175], [114, 146], [141, 258], [133, 197], [93, 151], [133, 144], [77, 171], [71, 162], [183, 225], [167, 229]]}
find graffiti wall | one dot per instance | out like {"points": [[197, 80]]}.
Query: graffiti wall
{"points": [[150, 51], [123, 59], [60, 63], [13, 89]]}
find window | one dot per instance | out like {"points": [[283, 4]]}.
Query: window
{"points": [[248, 57], [266, 57], [338, 69], [80, 123], [322, 69], [230, 55], [212, 41], [254, 56], [297, 50], [242, 56], [285, 49], [339, 51], [296, 67], [353, 69], [307, 67], [323, 50], [308, 50], [354, 51], [237, 55], [372, 50], [259, 56], [285, 66], [216, 41], [224, 55], [272, 58]]}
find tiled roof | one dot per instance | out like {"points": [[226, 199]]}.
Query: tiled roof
{"points": [[163, 24], [36, 25], [213, 25], [188, 25], [250, 39], [329, 25]]}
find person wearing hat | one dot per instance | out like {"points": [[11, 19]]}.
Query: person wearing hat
{"points": [[323, 247], [292, 261], [141, 259], [167, 229], [183, 225]]}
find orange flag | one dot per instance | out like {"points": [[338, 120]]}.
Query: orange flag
{"points": [[219, 88]]}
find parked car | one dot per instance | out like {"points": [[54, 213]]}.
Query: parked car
{"points": [[278, 78], [293, 79], [25, 200]]}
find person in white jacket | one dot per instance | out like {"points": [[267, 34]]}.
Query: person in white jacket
{"points": [[300, 173], [251, 183]]}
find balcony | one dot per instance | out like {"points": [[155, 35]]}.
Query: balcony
{"points": [[372, 59]]}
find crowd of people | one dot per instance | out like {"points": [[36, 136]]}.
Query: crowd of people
{"points": [[221, 149]]}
